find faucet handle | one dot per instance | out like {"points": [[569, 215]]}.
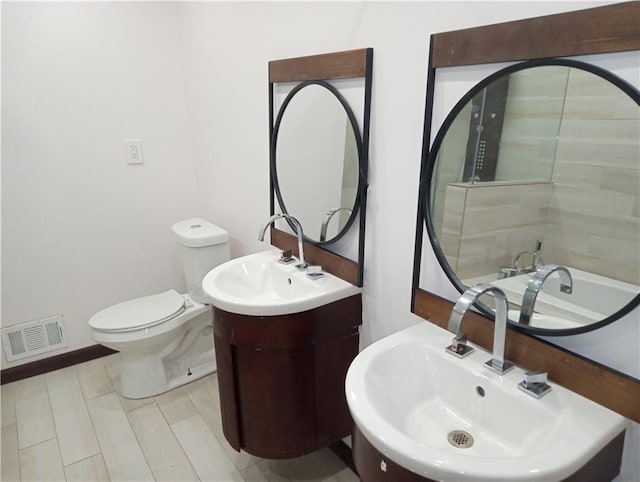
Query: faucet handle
{"points": [[286, 257], [535, 384], [534, 378], [507, 272], [459, 347], [314, 271]]}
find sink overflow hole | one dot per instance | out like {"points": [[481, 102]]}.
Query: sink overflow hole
{"points": [[480, 391], [289, 280], [460, 439]]}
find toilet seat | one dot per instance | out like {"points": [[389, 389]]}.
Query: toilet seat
{"points": [[139, 313]]}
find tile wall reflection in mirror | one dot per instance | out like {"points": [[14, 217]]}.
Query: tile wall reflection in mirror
{"points": [[541, 166]]}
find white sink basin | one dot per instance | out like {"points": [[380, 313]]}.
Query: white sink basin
{"points": [[259, 285], [406, 395]]}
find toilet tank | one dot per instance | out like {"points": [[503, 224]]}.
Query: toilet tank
{"points": [[203, 246]]}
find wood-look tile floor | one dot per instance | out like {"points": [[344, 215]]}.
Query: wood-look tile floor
{"points": [[71, 424]]}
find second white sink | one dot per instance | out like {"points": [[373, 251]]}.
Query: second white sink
{"points": [[407, 396]]}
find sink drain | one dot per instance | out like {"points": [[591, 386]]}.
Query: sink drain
{"points": [[460, 439]]}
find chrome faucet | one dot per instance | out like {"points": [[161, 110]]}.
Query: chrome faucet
{"points": [[535, 285], [515, 269], [534, 262], [498, 364], [536, 259], [297, 228], [325, 223]]}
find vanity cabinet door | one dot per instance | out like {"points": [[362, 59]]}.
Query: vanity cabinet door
{"points": [[275, 401], [375, 467], [331, 362], [281, 378], [227, 391]]}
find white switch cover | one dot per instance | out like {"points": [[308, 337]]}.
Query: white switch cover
{"points": [[133, 151]]}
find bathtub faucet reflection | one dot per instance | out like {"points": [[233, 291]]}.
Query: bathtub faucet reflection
{"points": [[515, 269], [535, 285]]}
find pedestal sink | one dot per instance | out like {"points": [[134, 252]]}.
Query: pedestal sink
{"points": [[446, 418]]}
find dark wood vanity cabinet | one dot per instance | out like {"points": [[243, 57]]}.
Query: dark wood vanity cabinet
{"points": [[281, 378], [373, 466]]}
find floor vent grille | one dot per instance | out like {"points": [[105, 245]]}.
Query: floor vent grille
{"points": [[32, 338]]}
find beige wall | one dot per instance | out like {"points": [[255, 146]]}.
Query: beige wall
{"points": [[531, 123], [595, 209], [487, 225]]}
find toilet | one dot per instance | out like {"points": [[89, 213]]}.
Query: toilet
{"points": [[166, 340]]}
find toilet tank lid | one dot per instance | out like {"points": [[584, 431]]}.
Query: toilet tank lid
{"points": [[197, 232]]}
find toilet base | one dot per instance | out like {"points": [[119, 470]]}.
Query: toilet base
{"points": [[193, 374], [157, 378], [154, 364]]}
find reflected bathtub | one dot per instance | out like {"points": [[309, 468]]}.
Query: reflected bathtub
{"points": [[594, 298]]}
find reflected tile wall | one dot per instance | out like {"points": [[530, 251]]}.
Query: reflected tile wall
{"points": [[587, 217], [486, 225], [595, 223]]}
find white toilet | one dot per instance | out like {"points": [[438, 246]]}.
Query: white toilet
{"points": [[166, 340]]}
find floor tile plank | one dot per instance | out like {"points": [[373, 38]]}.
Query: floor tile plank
{"points": [[161, 449], [175, 405], [207, 457], [74, 429], [94, 378], [122, 454], [205, 396], [42, 462], [33, 412], [10, 455], [92, 469]]}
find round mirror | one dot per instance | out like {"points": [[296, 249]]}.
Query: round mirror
{"points": [[316, 160], [535, 170]]}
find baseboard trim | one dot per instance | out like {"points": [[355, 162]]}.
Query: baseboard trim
{"points": [[56, 362], [343, 451]]}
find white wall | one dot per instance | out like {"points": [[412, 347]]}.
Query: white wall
{"points": [[76, 80], [81, 228], [227, 47]]}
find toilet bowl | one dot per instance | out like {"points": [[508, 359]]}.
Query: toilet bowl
{"points": [[166, 340]]}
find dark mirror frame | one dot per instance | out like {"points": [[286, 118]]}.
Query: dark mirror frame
{"points": [[599, 30], [349, 64], [362, 161], [430, 160]]}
